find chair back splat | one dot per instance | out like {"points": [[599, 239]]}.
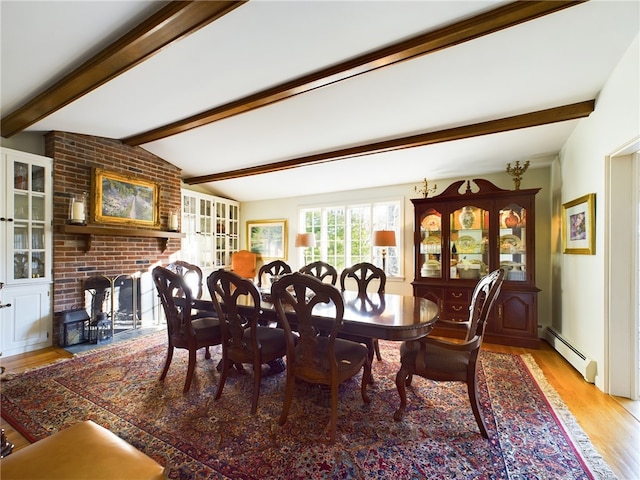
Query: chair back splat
{"points": [[365, 274], [183, 328], [445, 360], [321, 270], [243, 339], [273, 269], [319, 356], [191, 273]]}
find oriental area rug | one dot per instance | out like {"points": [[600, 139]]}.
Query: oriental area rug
{"points": [[532, 434]]}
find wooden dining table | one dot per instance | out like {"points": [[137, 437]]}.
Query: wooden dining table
{"points": [[384, 316]]}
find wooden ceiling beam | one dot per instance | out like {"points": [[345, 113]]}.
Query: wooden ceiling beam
{"points": [[171, 23], [463, 31], [527, 120]]}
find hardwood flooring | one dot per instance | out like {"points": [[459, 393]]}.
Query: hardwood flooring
{"points": [[608, 421]]}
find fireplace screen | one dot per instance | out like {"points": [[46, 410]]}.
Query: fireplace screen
{"points": [[119, 299]]}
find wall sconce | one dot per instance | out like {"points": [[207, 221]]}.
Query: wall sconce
{"points": [[384, 238], [78, 208], [305, 240]]}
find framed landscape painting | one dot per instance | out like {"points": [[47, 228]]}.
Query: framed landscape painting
{"points": [[267, 238], [578, 225], [119, 198]]}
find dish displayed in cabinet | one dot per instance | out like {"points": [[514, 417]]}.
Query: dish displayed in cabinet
{"points": [[510, 244], [466, 244], [431, 223]]}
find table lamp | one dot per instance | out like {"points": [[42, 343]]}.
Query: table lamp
{"points": [[305, 240], [384, 238]]}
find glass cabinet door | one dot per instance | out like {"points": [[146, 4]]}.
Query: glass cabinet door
{"points": [[430, 249], [469, 241], [28, 221], [513, 237], [189, 228], [205, 234]]}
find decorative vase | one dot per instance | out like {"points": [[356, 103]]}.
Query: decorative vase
{"points": [[467, 217], [511, 220]]}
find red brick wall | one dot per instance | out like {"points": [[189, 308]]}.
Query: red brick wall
{"points": [[74, 156]]}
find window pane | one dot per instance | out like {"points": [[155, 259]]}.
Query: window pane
{"points": [[343, 233]]}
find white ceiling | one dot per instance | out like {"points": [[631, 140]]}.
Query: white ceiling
{"points": [[559, 59]]}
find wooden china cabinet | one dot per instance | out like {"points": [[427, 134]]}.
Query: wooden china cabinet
{"points": [[470, 229]]}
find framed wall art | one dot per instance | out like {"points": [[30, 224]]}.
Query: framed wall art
{"points": [[124, 199], [578, 225], [267, 238]]}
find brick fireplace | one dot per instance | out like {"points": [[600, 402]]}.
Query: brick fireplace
{"points": [[74, 156]]}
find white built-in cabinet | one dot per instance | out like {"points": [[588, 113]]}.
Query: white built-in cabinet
{"points": [[210, 225], [26, 252]]}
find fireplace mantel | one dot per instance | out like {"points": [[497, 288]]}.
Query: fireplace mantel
{"points": [[89, 231]]}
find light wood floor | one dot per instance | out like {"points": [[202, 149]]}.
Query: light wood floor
{"points": [[613, 430]]}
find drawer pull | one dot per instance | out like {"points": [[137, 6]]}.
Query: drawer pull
{"points": [[456, 294], [456, 308]]}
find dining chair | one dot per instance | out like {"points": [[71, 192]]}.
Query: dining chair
{"points": [[365, 274], [273, 269], [243, 262], [183, 328], [311, 356], [321, 270], [445, 360], [191, 273], [244, 340]]}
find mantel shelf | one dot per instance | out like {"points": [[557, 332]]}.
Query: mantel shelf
{"points": [[92, 230]]}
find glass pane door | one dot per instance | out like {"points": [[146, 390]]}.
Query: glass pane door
{"points": [[469, 238], [29, 226], [513, 245], [430, 250]]}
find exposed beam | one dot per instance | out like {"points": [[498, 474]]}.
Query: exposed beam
{"points": [[171, 23], [489, 22], [532, 119]]}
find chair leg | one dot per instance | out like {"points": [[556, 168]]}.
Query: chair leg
{"points": [[472, 388], [288, 396], [224, 365], [401, 381], [167, 362], [366, 376], [190, 370], [257, 377], [376, 346], [207, 353]]}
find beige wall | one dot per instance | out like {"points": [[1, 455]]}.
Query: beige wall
{"points": [[287, 208]]}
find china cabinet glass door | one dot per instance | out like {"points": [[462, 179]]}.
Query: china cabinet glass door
{"points": [[469, 240], [28, 222], [513, 241], [430, 252]]}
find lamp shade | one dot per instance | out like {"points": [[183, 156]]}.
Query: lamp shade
{"points": [[305, 240], [384, 238]]}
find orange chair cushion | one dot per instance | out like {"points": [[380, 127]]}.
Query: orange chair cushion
{"points": [[83, 451]]}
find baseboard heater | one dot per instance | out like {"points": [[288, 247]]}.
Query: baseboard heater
{"points": [[585, 365]]}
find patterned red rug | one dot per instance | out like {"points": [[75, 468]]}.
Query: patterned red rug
{"points": [[532, 434]]}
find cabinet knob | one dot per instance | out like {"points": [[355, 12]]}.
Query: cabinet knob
{"points": [[5, 305]]}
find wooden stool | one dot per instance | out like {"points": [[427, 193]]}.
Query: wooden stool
{"points": [[83, 451]]}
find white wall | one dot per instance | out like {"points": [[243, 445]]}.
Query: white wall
{"points": [[579, 279], [287, 208]]}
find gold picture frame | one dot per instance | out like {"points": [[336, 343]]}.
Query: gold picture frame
{"points": [[267, 238], [124, 199], [578, 225]]}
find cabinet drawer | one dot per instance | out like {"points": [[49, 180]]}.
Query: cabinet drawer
{"points": [[456, 310], [458, 295]]}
